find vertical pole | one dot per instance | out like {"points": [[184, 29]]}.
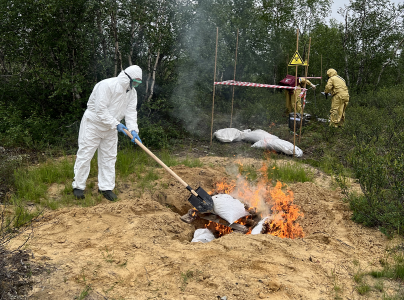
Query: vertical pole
{"points": [[287, 64], [305, 78], [295, 95], [234, 78], [321, 69], [214, 80]]}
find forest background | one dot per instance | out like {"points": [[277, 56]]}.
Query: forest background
{"points": [[52, 53]]}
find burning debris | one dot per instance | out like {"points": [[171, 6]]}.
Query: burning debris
{"points": [[249, 209]]}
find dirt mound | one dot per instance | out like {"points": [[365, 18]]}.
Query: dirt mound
{"points": [[138, 248]]}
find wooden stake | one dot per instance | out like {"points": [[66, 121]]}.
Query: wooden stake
{"points": [[295, 95], [234, 78], [305, 78], [214, 80]]}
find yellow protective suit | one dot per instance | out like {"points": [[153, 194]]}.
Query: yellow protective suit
{"points": [[337, 87], [290, 96]]}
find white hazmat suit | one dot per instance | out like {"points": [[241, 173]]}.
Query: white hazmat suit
{"points": [[111, 100]]}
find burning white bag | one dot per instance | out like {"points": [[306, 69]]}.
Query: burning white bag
{"points": [[258, 228], [203, 235], [228, 208], [228, 135], [278, 145], [258, 134]]}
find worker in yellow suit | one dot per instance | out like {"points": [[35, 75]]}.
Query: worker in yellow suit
{"points": [[290, 96], [340, 97]]}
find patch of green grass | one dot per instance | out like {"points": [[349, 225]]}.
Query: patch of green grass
{"points": [[185, 277], [132, 160], [107, 255], [84, 293], [289, 172], [147, 181], [192, 162], [32, 184], [379, 286], [363, 289], [393, 265], [358, 276], [23, 215], [337, 288]]}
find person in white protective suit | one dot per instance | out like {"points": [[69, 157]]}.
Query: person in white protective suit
{"points": [[111, 100]]}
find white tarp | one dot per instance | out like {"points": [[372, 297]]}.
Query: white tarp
{"points": [[257, 135], [228, 135], [228, 208], [278, 145], [260, 139], [203, 235]]}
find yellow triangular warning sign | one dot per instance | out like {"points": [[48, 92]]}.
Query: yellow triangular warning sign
{"points": [[296, 60]]}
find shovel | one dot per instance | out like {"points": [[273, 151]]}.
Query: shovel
{"points": [[200, 199]]}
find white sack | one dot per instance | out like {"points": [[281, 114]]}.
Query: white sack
{"points": [[278, 145], [203, 235], [258, 228], [228, 135], [228, 208], [256, 135]]}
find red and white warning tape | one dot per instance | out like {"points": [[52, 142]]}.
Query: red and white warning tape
{"points": [[241, 83]]}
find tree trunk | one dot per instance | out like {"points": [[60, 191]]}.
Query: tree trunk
{"points": [[154, 76], [149, 72], [117, 55], [388, 62], [345, 48]]}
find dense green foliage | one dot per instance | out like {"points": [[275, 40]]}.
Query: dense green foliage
{"points": [[370, 148], [378, 158], [52, 53]]}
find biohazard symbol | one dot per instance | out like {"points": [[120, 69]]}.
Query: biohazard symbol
{"points": [[296, 60]]}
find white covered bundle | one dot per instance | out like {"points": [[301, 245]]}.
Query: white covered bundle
{"points": [[203, 235], [258, 228], [228, 208], [228, 135], [258, 134], [278, 145]]}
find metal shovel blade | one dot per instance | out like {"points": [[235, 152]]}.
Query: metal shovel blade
{"points": [[203, 203]]}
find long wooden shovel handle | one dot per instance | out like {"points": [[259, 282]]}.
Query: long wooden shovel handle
{"points": [[161, 163]]}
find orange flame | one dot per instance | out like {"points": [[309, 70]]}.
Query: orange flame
{"points": [[219, 228], [268, 200], [285, 213]]}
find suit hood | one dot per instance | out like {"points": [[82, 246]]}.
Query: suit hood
{"points": [[331, 73]]}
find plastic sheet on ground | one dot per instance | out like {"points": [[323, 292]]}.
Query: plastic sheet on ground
{"points": [[256, 135], [228, 135], [258, 228], [203, 235], [278, 145], [260, 139], [228, 208]]}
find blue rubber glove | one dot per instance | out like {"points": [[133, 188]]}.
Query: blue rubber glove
{"points": [[135, 136], [120, 127]]}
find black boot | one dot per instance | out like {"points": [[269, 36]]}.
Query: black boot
{"points": [[108, 195], [79, 194]]}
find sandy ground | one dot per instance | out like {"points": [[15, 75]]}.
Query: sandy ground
{"points": [[138, 248]]}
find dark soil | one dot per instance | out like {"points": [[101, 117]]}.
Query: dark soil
{"points": [[15, 274]]}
